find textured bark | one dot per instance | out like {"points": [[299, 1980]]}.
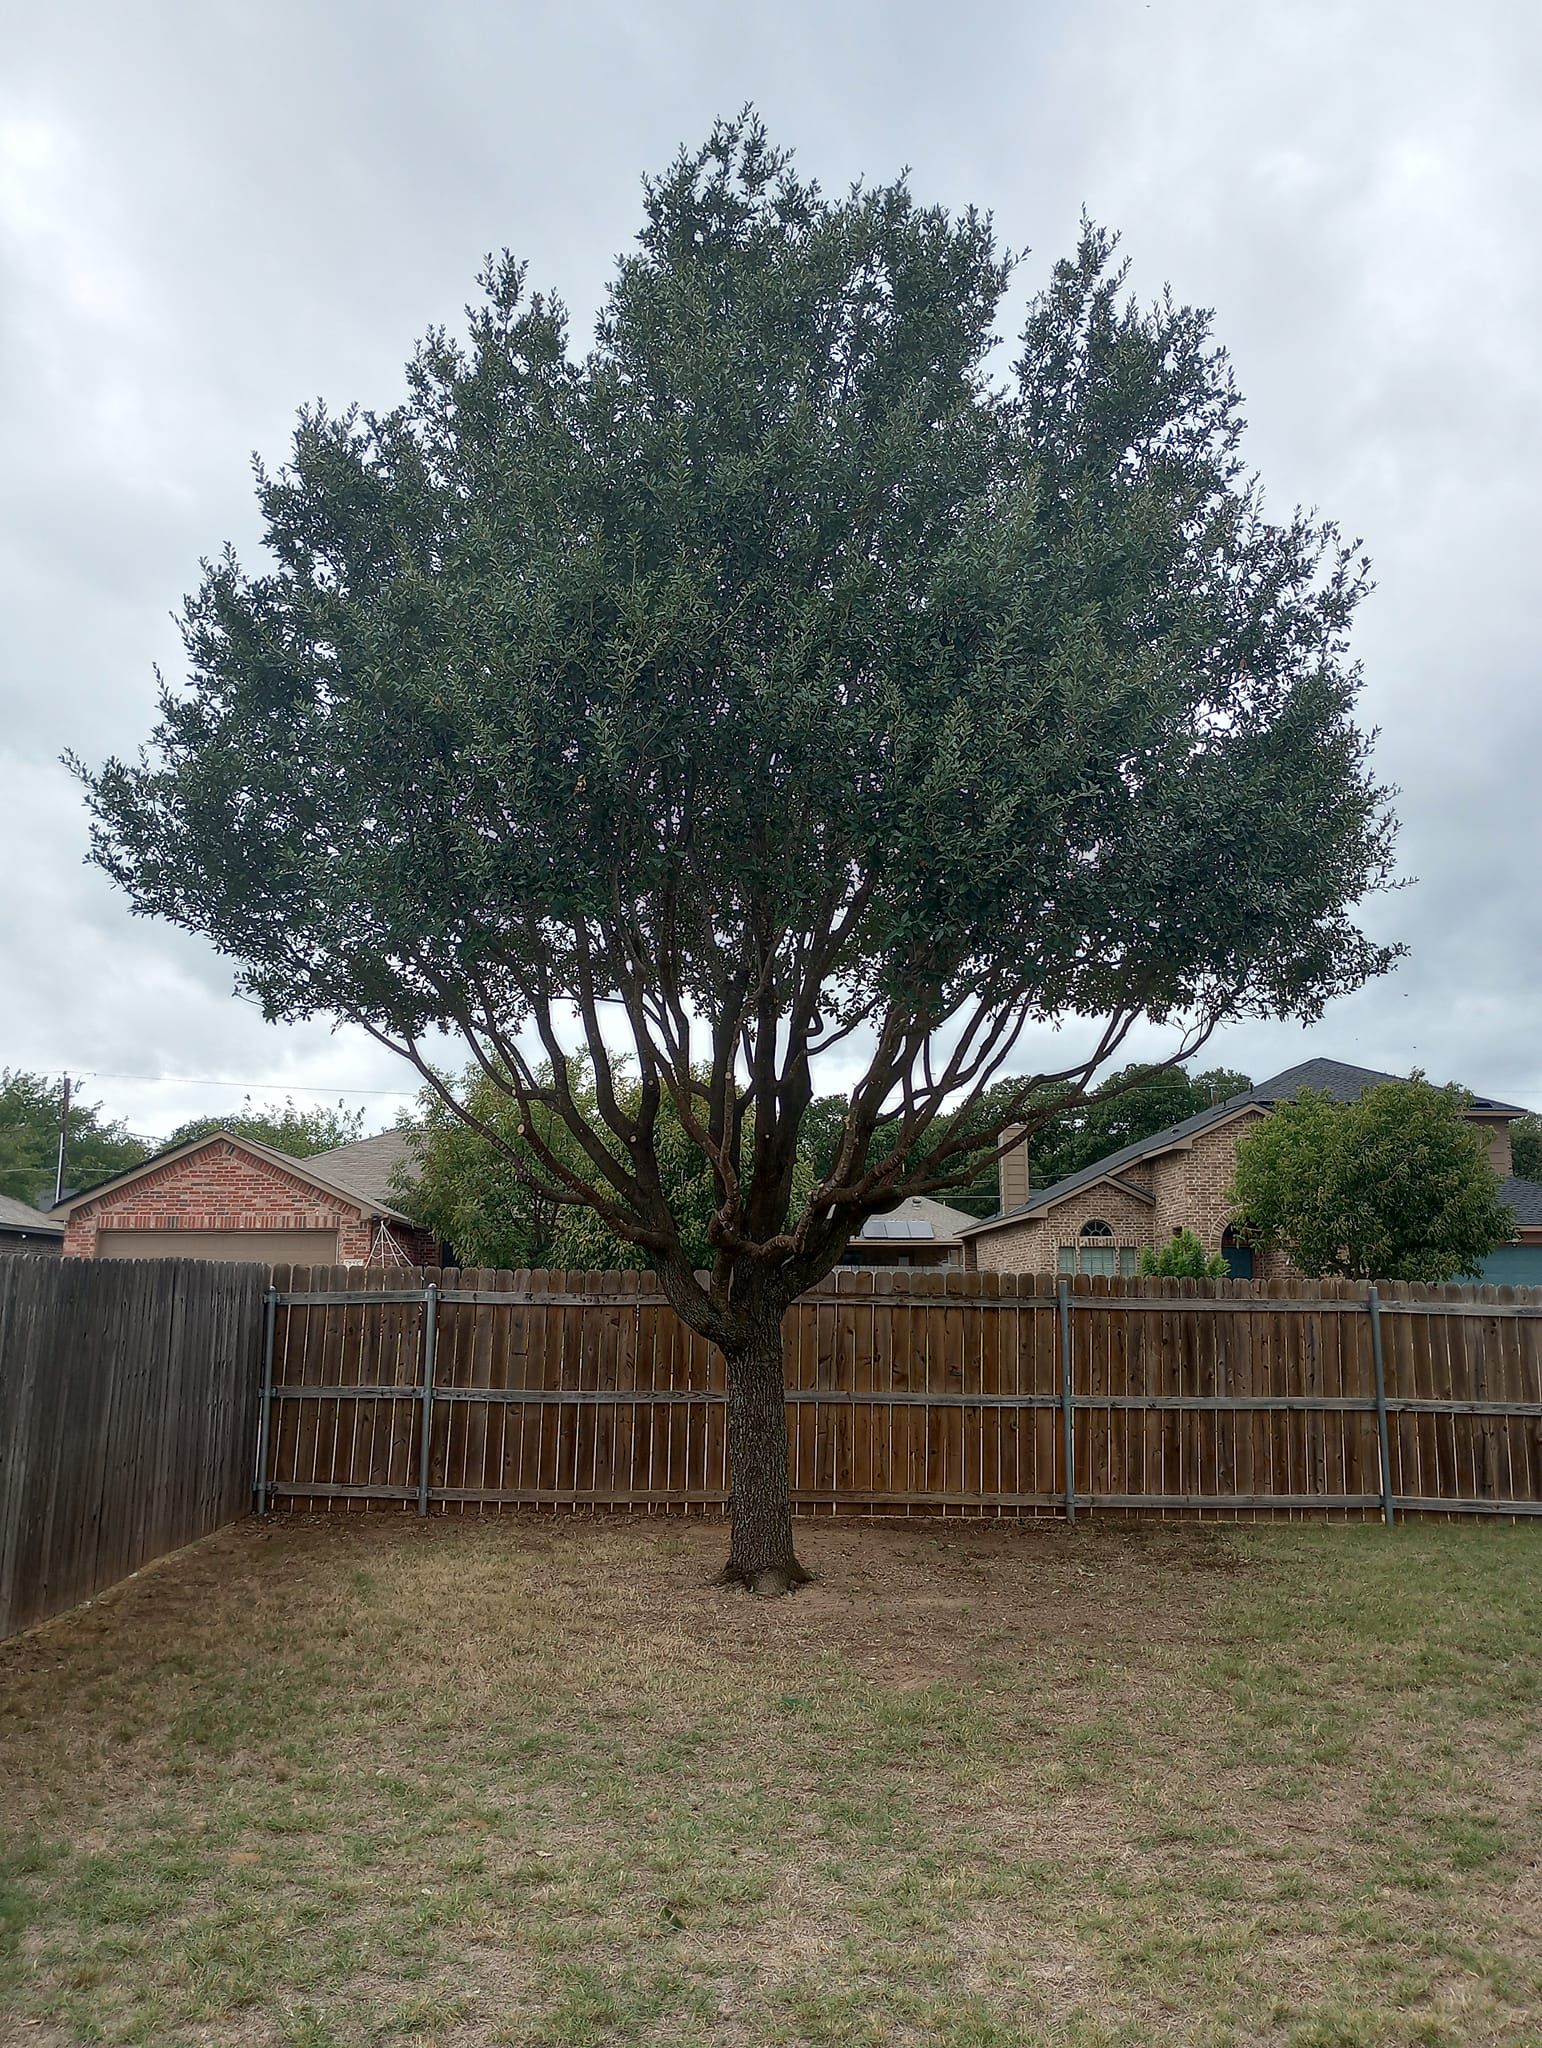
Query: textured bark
{"points": [[761, 1555]]}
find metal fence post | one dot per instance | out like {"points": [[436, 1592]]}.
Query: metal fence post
{"points": [[430, 1345], [1067, 1400], [1389, 1512], [265, 1410]]}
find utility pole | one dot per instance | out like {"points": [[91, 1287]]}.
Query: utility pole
{"points": [[64, 1126]]}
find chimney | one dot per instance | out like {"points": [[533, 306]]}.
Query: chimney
{"points": [[1012, 1169]]}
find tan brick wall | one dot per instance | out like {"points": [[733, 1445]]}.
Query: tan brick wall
{"points": [[220, 1187], [1191, 1186], [1033, 1246], [1497, 1131]]}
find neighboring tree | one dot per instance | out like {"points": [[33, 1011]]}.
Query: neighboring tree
{"points": [[1526, 1147], [1183, 1257], [281, 1125], [95, 1149], [1134, 1103], [484, 1190], [1393, 1186], [768, 680], [824, 1125]]}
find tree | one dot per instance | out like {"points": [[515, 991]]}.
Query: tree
{"points": [[30, 1109], [299, 1132], [1526, 1147], [487, 1195], [1183, 1257], [1131, 1104], [824, 1125], [1393, 1186], [770, 679]]}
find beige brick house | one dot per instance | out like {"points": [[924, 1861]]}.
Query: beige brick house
{"points": [[1101, 1219]]}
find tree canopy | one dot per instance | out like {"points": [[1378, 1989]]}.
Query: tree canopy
{"points": [[1393, 1186], [485, 1195], [1133, 1103], [772, 677], [282, 1125], [96, 1147]]}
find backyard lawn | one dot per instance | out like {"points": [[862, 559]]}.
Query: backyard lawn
{"points": [[364, 1781]]}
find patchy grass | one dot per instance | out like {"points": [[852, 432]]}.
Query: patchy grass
{"points": [[329, 1784]]}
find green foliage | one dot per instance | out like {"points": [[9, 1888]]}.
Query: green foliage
{"points": [[299, 1132], [1394, 1186], [1526, 1147], [485, 1195], [95, 1149], [1122, 1109], [1183, 1257], [825, 1120], [1119, 1113], [773, 677]]}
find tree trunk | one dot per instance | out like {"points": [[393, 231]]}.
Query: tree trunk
{"points": [[761, 1554]]}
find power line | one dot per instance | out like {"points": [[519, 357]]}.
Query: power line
{"points": [[200, 1081]]}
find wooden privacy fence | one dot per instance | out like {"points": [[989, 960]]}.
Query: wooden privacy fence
{"points": [[957, 1393], [128, 1411]]}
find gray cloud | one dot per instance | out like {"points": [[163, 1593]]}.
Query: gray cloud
{"points": [[209, 215]]}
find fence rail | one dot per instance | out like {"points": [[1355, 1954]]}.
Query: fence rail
{"points": [[979, 1394]]}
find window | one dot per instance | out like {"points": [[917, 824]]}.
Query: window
{"points": [[1095, 1252]]}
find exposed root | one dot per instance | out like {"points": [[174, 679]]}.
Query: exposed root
{"points": [[771, 1582]]}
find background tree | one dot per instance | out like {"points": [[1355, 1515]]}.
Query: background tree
{"points": [[770, 679], [95, 1148], [486, 1194], [1183, 1257], [1130, 1104], [1393, 1186], [1526, 1147], [283, 1126], [1133, 1103]]}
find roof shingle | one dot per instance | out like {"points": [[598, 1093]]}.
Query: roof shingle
{"points": [[16, 1215]]}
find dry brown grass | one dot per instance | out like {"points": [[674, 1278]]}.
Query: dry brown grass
{"points": [[361, 1781]]}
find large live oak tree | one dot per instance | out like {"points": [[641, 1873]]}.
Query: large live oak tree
{"points": [[775, 677]]}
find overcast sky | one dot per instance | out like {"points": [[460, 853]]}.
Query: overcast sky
{"points": [[213, 211]]}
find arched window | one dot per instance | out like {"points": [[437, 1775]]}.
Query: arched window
{"points": [[1095, 1227]]}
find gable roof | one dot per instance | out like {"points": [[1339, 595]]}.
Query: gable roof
{"points": [[1347, 1084], [365, 1166], [311, 1170], [917, 1220], [16, 1215], [1333, 1077]]}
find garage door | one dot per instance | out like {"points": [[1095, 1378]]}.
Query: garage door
{"points": [[272, 1247]]}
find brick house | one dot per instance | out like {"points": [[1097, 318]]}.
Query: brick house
{"points": [[1100, 1219], [229, 1197], [917, 1232]]}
